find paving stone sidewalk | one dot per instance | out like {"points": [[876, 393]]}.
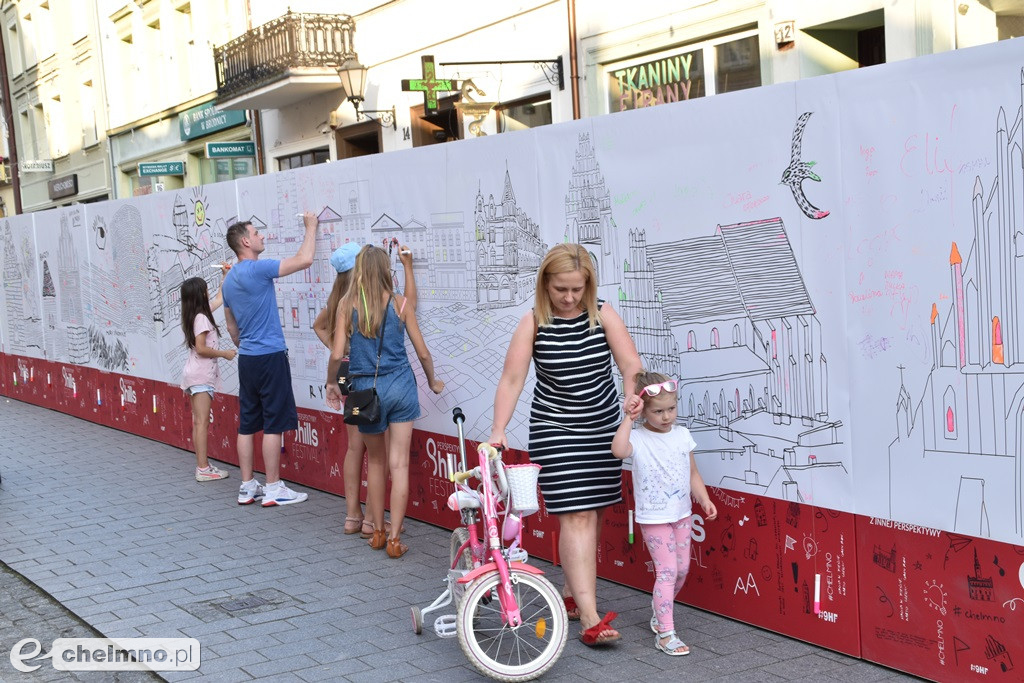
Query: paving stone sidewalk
{"points": [[116, 530]]}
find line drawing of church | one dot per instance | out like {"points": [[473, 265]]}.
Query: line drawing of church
{"points": [[964, 438], [508, 252], [753, 376]]}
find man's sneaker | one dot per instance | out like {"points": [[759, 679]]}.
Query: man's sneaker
{"points": [[248, 493], [211, 473], [282, 495]]}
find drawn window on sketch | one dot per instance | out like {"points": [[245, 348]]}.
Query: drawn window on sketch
{"points": [[708, 67], [714, 338], [280, 315], [737, 336], [949, 413], [691, 341], [997, 340], [311, 309]]}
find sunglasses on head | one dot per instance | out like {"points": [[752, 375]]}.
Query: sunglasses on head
{"points": [[655, 389]]}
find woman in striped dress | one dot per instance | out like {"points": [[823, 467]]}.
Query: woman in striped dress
{"points": [[572, 339]]}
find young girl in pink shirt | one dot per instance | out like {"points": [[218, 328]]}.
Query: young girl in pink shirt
{"points": [[201, 376]]}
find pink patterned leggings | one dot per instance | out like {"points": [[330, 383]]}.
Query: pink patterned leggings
{"points": [[669, 546]]}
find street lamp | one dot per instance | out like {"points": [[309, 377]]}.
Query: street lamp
{"points": [[353, 81]]}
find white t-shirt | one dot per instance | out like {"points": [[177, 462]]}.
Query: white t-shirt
{"points": [[661, 474]]}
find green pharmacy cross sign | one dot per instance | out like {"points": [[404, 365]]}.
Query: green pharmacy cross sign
{"points": [[430, 85]]}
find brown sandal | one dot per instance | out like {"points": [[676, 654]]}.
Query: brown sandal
{"points": [[353, 525], [379, 539], [366, 529], [396, 548]]}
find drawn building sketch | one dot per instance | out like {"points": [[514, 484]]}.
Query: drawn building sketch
{"points": [[69, 277], [509, 250], [21, 298], [753, 376], [965, 434], [588, 214], [192, 245]]}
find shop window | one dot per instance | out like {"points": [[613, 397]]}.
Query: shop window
{"points": [[309, 158], [358, 140], [219, 170], [444, 125], [530, 112], [723, 64]]}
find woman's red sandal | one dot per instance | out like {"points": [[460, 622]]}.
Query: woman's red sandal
{"points": [[572, 610], [592, 636]]}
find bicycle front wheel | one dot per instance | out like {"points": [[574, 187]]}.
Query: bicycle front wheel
{"points": [[500, 651]]}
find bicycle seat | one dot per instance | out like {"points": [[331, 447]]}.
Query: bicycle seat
{"points": [[463, 500]]}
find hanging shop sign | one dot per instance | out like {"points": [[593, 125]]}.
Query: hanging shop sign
{"points": [[220, 150], [66, 186], [157, 168], [205, 119], [36, 166]]}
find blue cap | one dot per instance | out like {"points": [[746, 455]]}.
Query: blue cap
{"points": [[344, 257]]}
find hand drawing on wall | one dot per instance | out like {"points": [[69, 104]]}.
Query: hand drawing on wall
{"points": [[967, 426], [799, 170]]}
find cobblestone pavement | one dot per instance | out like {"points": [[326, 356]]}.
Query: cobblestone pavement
{"points": [[116, 530]]}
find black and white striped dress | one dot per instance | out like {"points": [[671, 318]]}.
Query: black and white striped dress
{"points": [[574, 416]]}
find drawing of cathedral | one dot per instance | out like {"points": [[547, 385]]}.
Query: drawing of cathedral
{"points": [[967, 428], [69, 275], [50, 327], [969, 422], [508, 250], [13, 292], [753, 376], [588, 214]]}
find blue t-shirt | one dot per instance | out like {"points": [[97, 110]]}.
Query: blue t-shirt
{"points": [[249, 293]]}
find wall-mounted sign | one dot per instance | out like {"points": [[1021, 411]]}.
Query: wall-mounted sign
{"points": [[218, 150], [671, 77], [36, 166], [66, 186], [205, 119], [156, 168]]}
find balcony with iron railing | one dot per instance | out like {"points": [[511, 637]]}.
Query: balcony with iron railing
{"points": [[283, 61]]}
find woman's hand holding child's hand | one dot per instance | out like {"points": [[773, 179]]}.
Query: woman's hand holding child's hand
{"points": [[634, 406]]}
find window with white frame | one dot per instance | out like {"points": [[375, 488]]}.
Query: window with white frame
{"points": [[723, 64], [56, 129], [39, 132], [87, 105], [528, 112], [14, 48]]}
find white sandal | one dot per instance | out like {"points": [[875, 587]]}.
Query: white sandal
{"points": [[672, 646]]}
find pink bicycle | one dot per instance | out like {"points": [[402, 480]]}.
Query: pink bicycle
{"points": [[510, 621]]}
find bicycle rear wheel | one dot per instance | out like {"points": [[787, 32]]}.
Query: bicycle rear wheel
{"points": [[500, 651]]}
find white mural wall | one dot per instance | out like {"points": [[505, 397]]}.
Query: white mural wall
{"points": [[830, 267]]}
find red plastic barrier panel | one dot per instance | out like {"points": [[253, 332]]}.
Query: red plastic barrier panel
{"points": [[941, 605]]}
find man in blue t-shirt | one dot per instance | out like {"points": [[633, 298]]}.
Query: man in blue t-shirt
{"points": [[265, 399]]}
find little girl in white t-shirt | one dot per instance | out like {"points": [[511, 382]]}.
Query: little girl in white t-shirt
{"points": [[665, 477]]}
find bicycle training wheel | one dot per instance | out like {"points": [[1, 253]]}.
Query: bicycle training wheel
{"points": [[500, 651]]}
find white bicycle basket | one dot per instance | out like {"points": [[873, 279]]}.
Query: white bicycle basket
{"points": [[522, 486]]}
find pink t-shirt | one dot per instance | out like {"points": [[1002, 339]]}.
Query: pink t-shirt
{"points": [[199, 370]]}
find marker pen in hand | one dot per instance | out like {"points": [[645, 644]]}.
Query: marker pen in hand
{"points": [[405, 252], [817, 593], [631, 527]]}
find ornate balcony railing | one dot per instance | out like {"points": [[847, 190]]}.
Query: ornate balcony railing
{"points": [[268, 52]]}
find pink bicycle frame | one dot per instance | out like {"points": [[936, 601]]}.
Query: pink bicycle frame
{"points": [[489, 508]]}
